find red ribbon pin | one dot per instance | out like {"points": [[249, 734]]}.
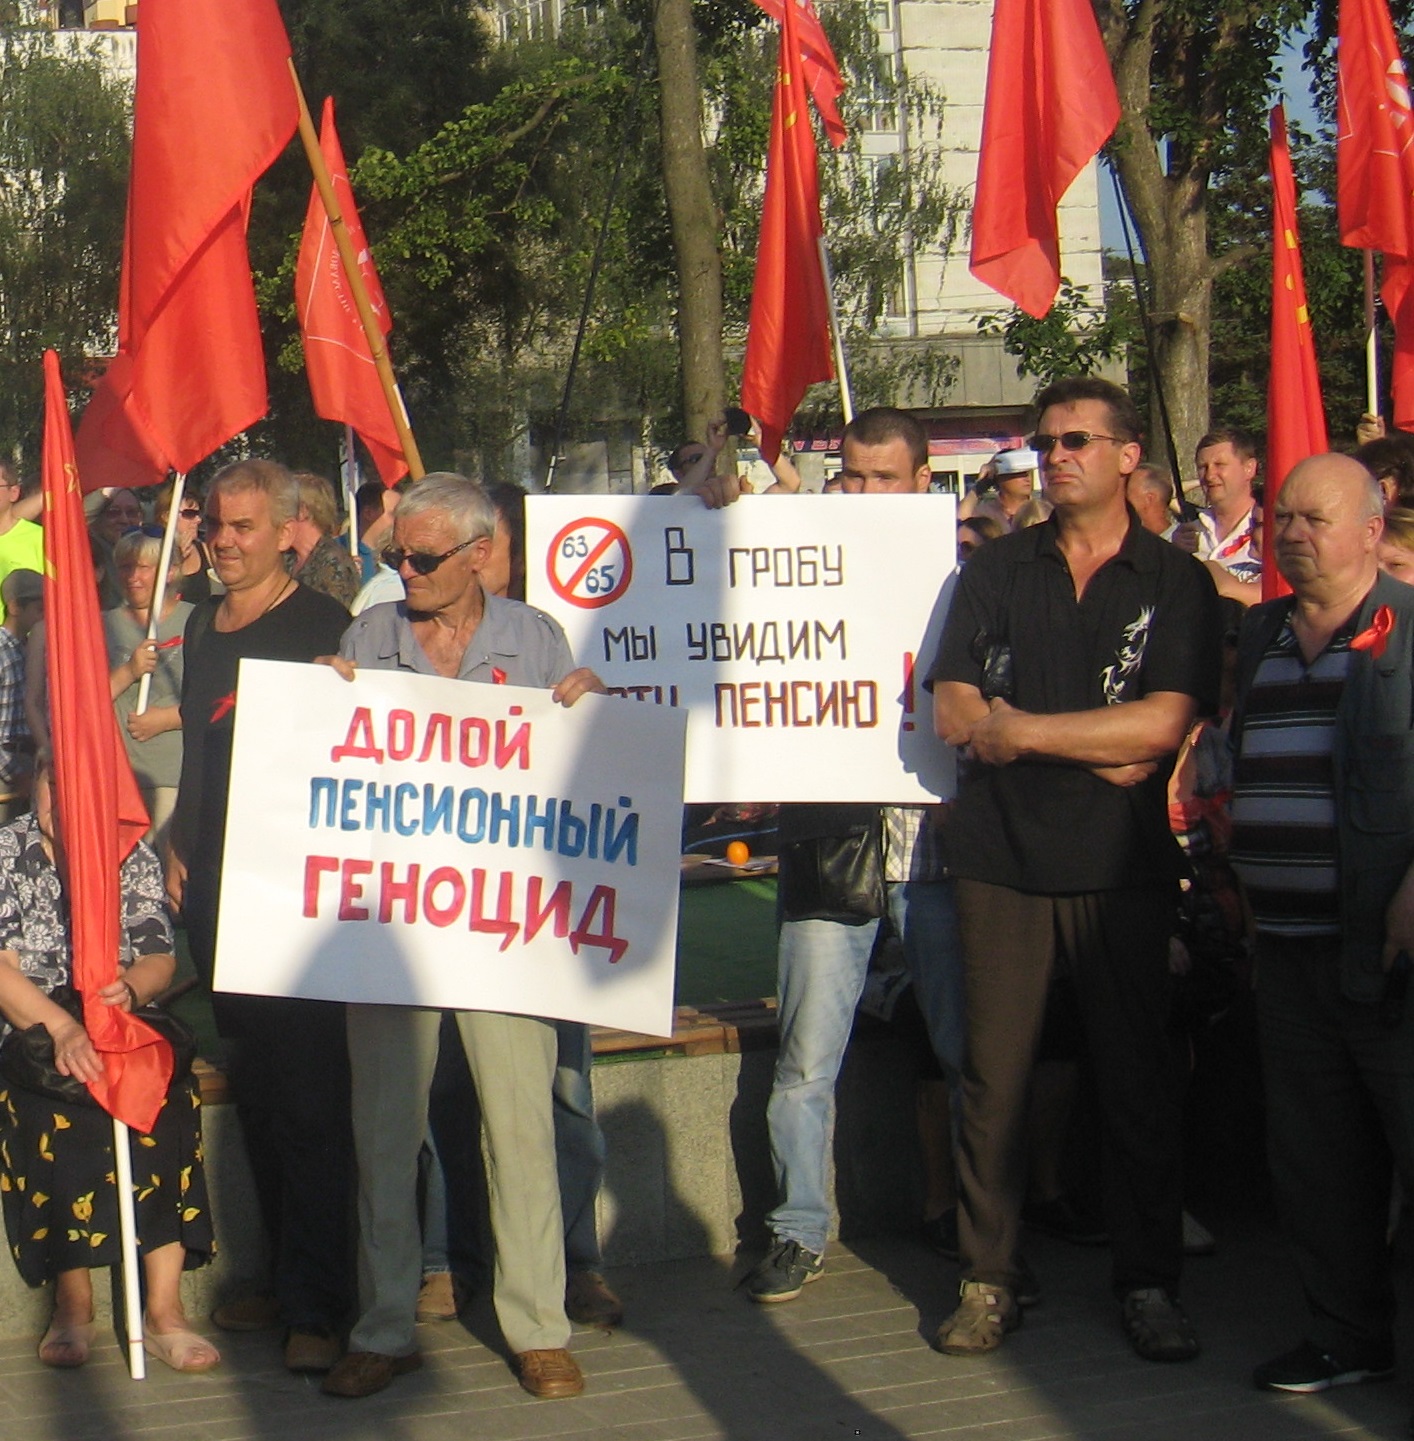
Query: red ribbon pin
{"points": [[1376, 637]]}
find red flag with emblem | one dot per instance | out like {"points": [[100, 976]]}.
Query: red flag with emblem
{"points": [[788, 335], [1296, 414], [100, 812], [342, 376], [817, 59], [214, 105], [1051, 104], [1375, 172]]}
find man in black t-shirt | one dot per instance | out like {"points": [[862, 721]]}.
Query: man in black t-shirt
{"points": [[1075, 658], [289, 1061]]}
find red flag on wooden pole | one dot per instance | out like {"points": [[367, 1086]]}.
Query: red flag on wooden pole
{"points": [[1051, 104], [101, 815], [788, 336], [817, 58], [342, 376], [1296, 414], [214, 106], [1375, 171]]}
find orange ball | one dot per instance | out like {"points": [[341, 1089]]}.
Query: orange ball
{"points": [[738, 853]]}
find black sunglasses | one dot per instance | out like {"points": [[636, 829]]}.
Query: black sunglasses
{"points": [[1071, 440], [193, 514], [419, 560]]}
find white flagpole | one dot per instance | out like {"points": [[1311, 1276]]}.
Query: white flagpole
{"points": [[351, 481], [846, 398], [159, 589], [127, 1230], [122, 1156], [1372, 348]]}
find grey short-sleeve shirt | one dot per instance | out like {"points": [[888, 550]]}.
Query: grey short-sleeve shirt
{"points": [[515, 644]]}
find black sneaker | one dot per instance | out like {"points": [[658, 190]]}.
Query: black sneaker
{"points": [[784, 1274], [1308, 1369]]}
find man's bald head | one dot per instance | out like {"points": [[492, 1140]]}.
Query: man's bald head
{"points": [[1327, 526]]}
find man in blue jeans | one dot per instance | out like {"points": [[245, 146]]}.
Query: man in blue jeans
{"points": [[828, 931]]}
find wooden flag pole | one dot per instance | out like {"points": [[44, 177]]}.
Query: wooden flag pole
{"points": [[846, 397], [324, 183], [1372, 340]]}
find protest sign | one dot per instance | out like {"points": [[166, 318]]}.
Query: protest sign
{"points": [[795, 631], [420, 841]]}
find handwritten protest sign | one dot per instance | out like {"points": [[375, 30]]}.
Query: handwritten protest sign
{"points": [[420, 841], [795, 630]]}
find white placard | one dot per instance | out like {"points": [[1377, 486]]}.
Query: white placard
{"points": [[417, 841], [796, 630]]}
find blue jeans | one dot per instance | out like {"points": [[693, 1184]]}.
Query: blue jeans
{"points": [[822, 965]]}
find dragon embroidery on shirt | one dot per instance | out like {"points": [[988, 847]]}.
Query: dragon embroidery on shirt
{"points": [[1133, 641]]}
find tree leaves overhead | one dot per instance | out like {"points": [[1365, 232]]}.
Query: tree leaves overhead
{"points": [[63, 179]]}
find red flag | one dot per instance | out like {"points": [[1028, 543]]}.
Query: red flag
{"points": [[215, 104], [1296, 415], [1051, 104], [788, 338], [113, 448], [817, 59], [342, 377], [1375, 171], [101, 814]]}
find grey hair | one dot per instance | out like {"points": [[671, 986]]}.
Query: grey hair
{"points": [[269, 477], [465, 503]]}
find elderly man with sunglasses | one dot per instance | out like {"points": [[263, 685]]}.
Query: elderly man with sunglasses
{"points": [[450, 625], [1075, 657]]}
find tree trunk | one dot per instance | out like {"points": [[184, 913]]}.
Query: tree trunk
{"points": [[1168, 200], [693, 215]]}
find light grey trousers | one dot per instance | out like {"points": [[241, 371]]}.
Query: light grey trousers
{"points": [[392, 1053]]}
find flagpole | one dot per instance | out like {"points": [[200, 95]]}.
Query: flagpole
{"points": [[351, 488], [122, 1154], [846, 398], [159, 588], [127, 1230], [1372, 340], [325, 185]]}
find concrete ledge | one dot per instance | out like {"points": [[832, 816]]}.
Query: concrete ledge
{"points": [[689, 1170]]}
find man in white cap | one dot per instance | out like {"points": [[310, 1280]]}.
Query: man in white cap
{"points": [[1016, 484]]}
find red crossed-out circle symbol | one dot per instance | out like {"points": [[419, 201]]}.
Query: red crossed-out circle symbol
{"points": [[590, 563]]}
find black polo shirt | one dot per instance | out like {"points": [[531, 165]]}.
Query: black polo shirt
{"points": [[1148, 621]]}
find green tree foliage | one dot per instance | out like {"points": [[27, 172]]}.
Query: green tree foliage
{"points": [[484, 227], [63, 178]]}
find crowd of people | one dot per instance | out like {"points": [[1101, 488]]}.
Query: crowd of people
{"points": [[1112, 686]]}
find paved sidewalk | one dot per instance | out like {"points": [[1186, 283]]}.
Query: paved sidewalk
{"points": [[847, 1360]]}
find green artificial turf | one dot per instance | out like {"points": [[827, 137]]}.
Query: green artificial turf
{"points": [[727, 942]]}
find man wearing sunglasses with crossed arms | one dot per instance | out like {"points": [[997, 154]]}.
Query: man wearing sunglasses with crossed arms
{"points": [[1075, 657]]}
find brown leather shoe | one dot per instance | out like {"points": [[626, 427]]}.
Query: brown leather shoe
{"points": [[311, 1353], [365, 1373], [550, 1375], [248, 1313], [590, 1302]]}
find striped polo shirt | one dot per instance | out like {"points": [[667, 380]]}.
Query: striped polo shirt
{"points": [[1284, 842]]}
